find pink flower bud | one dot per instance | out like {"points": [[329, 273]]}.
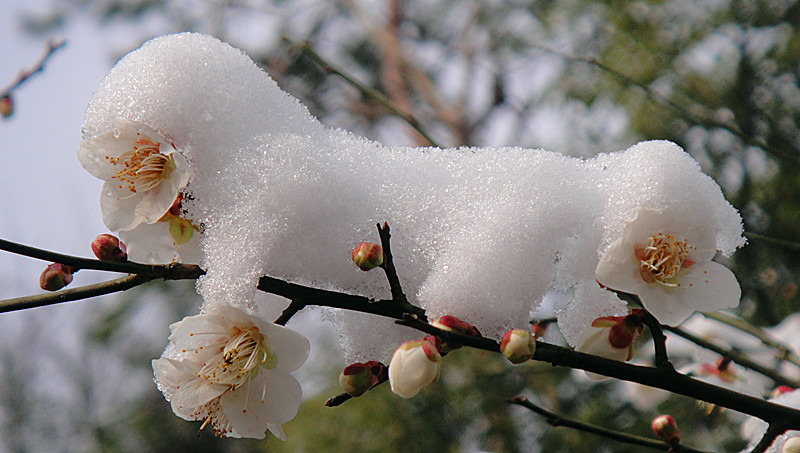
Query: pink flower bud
{"points": [[666, 429], [414, 365], [55, 277], [107, 247], [781, 389], [792, 445], [453, 324], [367, 256], [359, 377], [518, 346], [6, 106]]}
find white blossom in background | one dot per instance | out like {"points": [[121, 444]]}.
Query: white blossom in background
{"points": [[143, 173], [754, 428], [612, 337], [229, 368], [665, 259]]}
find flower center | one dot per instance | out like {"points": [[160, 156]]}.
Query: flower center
{"points": [[144, 166], [662, 260], [238, 360]]}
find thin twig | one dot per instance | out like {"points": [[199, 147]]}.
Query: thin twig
{"points": [[294, 307], [26, 74], [659, 341], [556, 420], [371, 93], [391, 274], [785, 352], [68, 295], [781, 242], [172, 271], [736, 357]]}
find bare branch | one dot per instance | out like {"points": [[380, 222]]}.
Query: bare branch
{"points": [[556, 420], [68, 295], [371, 93], [26, 74]]}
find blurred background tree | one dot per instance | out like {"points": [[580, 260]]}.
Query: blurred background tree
{"points": [[720, 78]]}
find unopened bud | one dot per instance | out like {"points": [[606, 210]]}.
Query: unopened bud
{"points": [[357, 378], [6, 106], [180, 229], [367, 256], [107, 247], [518, 346], [666, 429], [453, 324], [792, 445], [55, 277], [414, 365]]}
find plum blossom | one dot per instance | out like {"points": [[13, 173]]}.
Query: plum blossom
{"points": [[172, 238], [230, 369], [665, 259], [143, 174]]}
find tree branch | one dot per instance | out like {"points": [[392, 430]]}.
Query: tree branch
{"points": [[556, 420], [26, 74], [68, 295], [785, 352], [736, 357], [650, 376], [371, 93], [172, 271]]}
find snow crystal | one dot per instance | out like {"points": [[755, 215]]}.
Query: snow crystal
{"points": [[478, 233]]}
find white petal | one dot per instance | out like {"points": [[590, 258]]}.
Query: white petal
{"points": [[706, 286], [149, 243], [249, 415], [290, 348], [193, 393], [618, 269], [119, 207], [93, 153]]}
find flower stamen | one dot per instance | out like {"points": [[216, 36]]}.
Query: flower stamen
{"points": [[145, 167], [663, 258]]}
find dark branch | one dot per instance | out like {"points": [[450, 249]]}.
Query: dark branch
{"points": [[391, 274], [68, 295], [173, 271], [556, 420], [659, 341], [649, 376]]}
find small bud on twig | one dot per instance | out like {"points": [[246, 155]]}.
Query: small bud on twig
{"points": [[666, 429], [107, 247], [55, 277], [367, 256]]}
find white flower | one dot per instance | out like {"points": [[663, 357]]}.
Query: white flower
{"points": [[666, 261], [171, 239], [230, 369], [414, 365], [143, 174]]}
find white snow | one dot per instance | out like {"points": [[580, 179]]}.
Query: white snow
{"points": [[479, 233]]}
